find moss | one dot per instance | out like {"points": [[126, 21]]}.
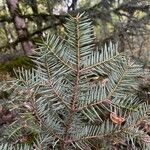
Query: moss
{"points": [[21, 61]]}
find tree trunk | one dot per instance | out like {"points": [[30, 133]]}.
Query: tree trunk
{"points": [[20, 26]]}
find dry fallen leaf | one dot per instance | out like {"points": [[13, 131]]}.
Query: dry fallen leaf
{"points": [[116, 119]]}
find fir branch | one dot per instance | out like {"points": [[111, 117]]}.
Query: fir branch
{"points": [[74, 97], [59, 97]]}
